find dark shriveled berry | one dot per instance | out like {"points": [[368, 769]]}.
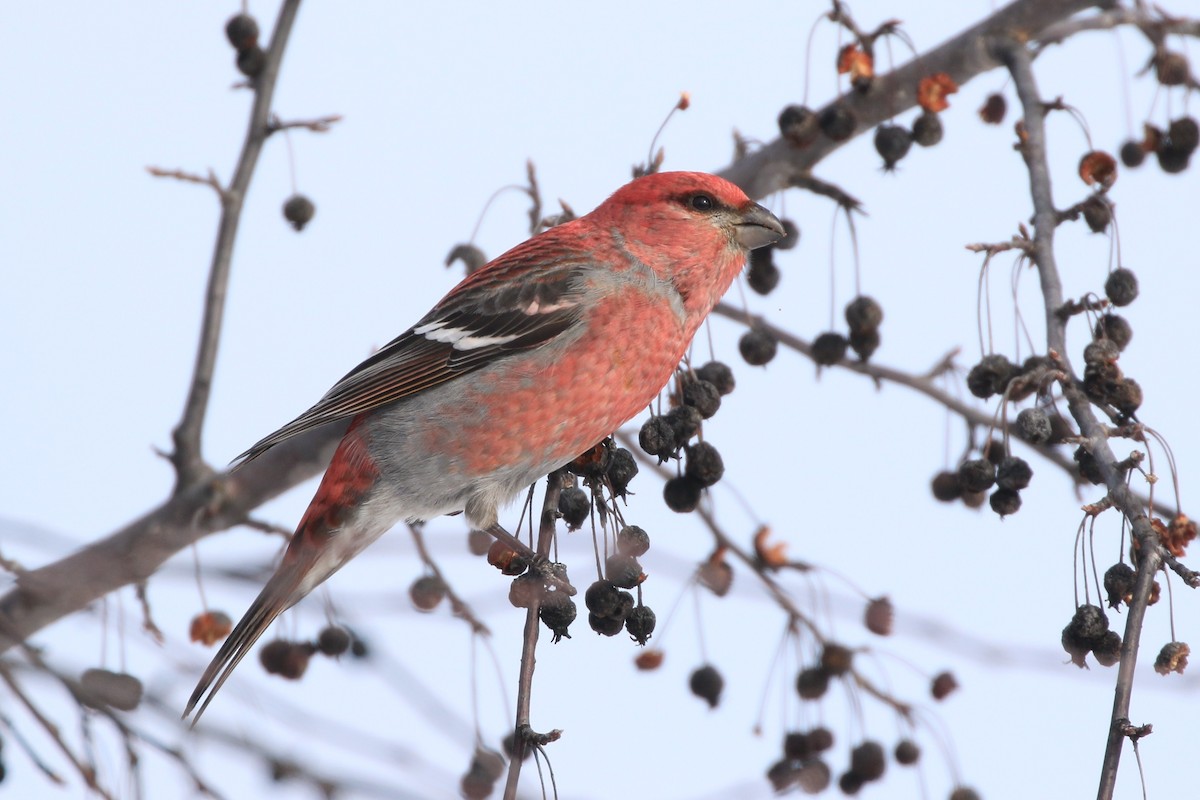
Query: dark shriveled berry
{"points": [[557, 613], [719, 375], [1126, 396], [1005, 501], [757, 346], [657, 438], [684, 421], [1171, 159], [812, 683], [990, 376], [682, 494], [1171, 68], [798, 124], [836, 659], [791, 235], [838, 123], [946, 486], [427, 592], [704, 464], [879, 616], [829, 348], [633, 540], [863, 314], [927, 129], [1121, 287], [763, 275], [1089, 468], [1089, 624], [1033, 425], [621, 470], [702, 396], [943, 685], [299, 211], [606, 626], [907, 752], [850, 783], [864, 343], [892, 142], [574, 505], [251, 61], [242, 31], [994, 109], [640, 624], [1184, 134], [1108, 650], [333, 640], [623, 570], [868, 760], [706, 683], [1097, 213], [820, 739], [602, 598], [977, 475], [286, 659], [1013, 473], [1118, 583], [1116, 329], [1132, 154]]}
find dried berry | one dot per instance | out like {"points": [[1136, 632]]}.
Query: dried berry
{"points": [[1076, 647], [640, 624], [836, 659], [1172, 658], [791, 235], [505, 559], [286, 659], [557, 612], [1118, 583], [719, 375], [1184, 134], [716, 575], [946, 486], [964, 793], [927, 129], [685, 422], [1089, 624], [210, 627], [1013, 473], [602, 598], [993, 109], [829, 348], [242, 31], [633, 541], [838, 123], [795, 745], [251, 61], [868, 760], [702, 396], [864, 343], [812, 683], [1033, 425], [704, 464], [943, 684], [892, 142], [333, 640], [1108, 650], [879, 616], [1098, 168], [479, 542], [1171, 68], [1089, 468], [1005, 501], [1171, 159], [606, 626], [621, 470], [623, 570], [427, 592], [977, 475], [299, 211], [648, 660], [1115, 329], [1097, 213], [907, 752], [783, 774], [798, 124], [574, 504], [682, 494], [850, 783], [102, 688], [657, 438], [1132, 154], [863, 314], [706, 683], [525, 589], [974, 499], [757, 346], [763, 276], [990, 376], [1126, 396], [1121, 286]]}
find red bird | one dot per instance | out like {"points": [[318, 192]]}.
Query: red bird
{"points": [[527, 363]]}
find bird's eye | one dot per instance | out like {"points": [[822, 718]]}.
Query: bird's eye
{"points": [[702, 202]]}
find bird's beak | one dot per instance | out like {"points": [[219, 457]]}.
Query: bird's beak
{"points": [[757, 228]]}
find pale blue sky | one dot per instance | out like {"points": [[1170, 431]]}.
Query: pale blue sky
{"points": [[103, 271]]}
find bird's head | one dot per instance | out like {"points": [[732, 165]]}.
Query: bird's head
{"points": [[693, 229]]}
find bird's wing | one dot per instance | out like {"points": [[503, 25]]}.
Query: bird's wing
{"points": [[489, 316]]}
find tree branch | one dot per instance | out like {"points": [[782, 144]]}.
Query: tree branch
{"points": [[189, 463]]}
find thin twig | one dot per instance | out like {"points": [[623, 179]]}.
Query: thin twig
{"points": [[190, 468]]}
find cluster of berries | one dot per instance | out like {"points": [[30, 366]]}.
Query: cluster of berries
{"points": [[976, 476], [863, 317], [289, 659]]}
